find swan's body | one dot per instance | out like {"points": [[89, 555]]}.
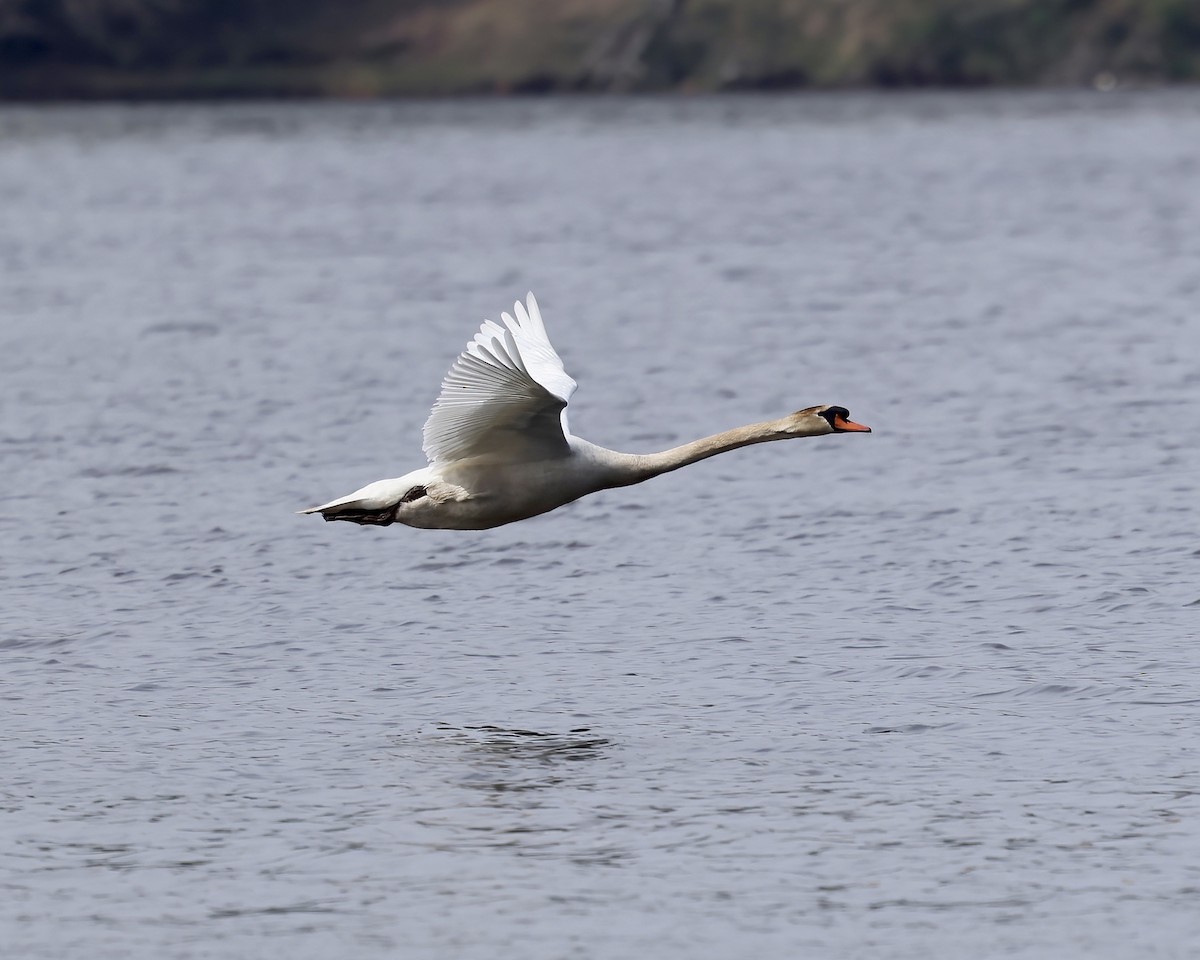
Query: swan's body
{"points": [[500, 450]]}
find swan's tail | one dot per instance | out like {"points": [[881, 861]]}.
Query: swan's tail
{"points": [[377, 503], [356, 511]]}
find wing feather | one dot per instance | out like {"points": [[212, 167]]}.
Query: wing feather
{"points": [[506, 395]]}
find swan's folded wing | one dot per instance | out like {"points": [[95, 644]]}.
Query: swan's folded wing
{"points": [[505, 396]]}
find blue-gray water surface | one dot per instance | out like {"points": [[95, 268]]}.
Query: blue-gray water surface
{"points": [[928, 693]]}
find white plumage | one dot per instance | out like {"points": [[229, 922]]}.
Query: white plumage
{"points": [[500, 449], [506, 391]]}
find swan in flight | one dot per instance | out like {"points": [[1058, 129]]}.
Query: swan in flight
{"points": [[500, 450]]}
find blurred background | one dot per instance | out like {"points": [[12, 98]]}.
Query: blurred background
{"points": [[367, 48]]}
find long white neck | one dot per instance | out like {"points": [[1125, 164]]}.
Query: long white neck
{"points": [[627, 468]]}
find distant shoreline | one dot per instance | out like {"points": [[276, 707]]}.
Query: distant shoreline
{"points": [[86, 87], [370, 49]]}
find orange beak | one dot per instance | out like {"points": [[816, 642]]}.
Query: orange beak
{"points": [[841, 424]]}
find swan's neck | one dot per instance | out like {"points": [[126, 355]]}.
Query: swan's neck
{"points": [[636, 467]]}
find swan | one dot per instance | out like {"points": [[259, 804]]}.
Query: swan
{"points": [[500, 450]]}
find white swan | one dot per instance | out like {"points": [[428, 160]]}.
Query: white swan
{"points": [[499, 448]]}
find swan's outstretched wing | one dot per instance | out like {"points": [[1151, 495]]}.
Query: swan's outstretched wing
{"points": [[505, 396]]}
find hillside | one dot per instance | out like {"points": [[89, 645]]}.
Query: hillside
{"points": [[368, 48]]}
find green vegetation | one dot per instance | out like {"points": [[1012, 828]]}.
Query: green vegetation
{"points": [[368, 48]]}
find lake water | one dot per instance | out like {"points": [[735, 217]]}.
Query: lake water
{"points": [[928, 693]]}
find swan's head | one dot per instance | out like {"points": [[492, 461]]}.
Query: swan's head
{"points": [[818, 421]]}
